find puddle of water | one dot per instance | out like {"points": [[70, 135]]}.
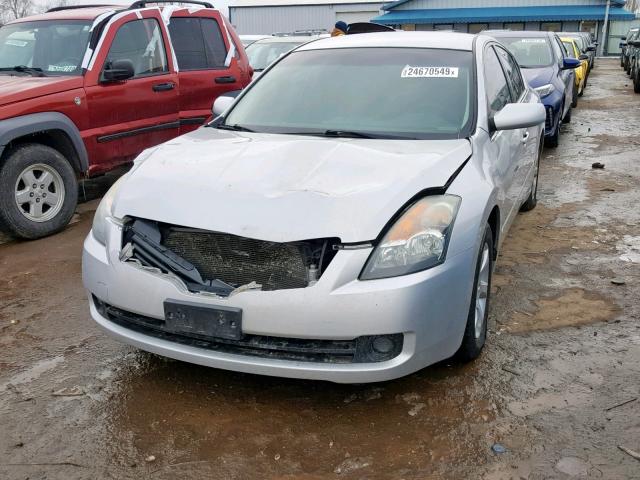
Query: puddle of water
{"points": [[32, 373], [630, 248], [573, 307]]}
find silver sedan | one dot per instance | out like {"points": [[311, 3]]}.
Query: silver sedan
{"points": [[339, 221]]}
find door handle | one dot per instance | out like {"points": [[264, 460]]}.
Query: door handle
{"points": [[525, 137], [226, 79], [163, 87]]}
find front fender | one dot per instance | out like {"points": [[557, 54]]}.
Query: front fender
{"points": [[16, 127], [479, 197]]}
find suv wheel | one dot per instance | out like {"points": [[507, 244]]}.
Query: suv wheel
{"points": [[567, 117], [636, 81], [475, 333], [38, 191], [574, 96]]}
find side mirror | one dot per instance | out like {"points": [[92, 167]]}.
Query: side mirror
{"points": [[518, 115], [583, 57], [118, 71], [570, 63], [591, 48], [621, 44], [221, 105], [623, 38]]}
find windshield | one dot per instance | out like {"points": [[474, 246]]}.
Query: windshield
{"points": [[263, 54], [376, 92], [57, 48], [529, 52]]}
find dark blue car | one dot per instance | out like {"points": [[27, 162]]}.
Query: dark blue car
{"points": [[549, 70]]}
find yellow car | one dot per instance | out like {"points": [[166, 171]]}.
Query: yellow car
{"points": [[581, 72]]}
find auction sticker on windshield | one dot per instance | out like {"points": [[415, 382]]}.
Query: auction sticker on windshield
{"points": [[429, 72]]}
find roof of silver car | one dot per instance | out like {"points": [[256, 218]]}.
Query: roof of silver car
{"points": [[446, 40]]}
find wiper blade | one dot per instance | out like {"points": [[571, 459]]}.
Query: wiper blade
{"points": [[347, 134], [356, 134], [235, 128], [23, 68]]}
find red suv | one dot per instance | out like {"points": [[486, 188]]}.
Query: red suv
{"points": [[86, 89]]}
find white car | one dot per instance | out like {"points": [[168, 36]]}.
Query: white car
{"points": [[339, 221]]}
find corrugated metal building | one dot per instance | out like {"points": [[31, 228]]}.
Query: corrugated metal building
{"points": [[271, 16], [476, 15]]}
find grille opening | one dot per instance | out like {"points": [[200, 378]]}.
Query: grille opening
{"points": [[220, 262]]}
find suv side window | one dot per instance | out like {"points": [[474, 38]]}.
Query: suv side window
{"points": [[141, 42], [198, 43], [497, 89], [512, 70]]}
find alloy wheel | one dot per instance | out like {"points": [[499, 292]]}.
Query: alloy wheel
{"points": [[482, 291], [39, 192]]}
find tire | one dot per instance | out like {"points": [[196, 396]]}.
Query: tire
{"points": [[532, 200], [567, 117], [475, 334], [554, 140], [56, 197], [622, 61], [574, 96], [636, 81]]}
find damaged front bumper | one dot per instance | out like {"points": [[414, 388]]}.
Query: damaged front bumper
{"points": [[336, 312]]}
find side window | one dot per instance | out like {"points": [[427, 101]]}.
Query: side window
{"points": [[557, 50], [214, 43], [198, 43], [141, 42], [497, 89], [512, 70]]}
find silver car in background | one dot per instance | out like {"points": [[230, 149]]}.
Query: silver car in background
{"points": [[339, 221], [264, 52]]}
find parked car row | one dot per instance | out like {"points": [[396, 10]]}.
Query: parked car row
{"points": [[314, 228], [549, 68], [630, 56]]}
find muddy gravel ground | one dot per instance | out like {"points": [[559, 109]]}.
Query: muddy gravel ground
{"points": [[563, 358]]}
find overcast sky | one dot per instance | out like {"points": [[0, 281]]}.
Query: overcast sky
{"points": [[221, 5]]}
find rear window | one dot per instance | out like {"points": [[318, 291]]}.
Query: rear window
{"points": [[532, 52], [198, 43]]}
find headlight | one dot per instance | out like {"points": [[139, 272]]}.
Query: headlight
{"points": [[545, 90], [100, 227], [417, 240]]}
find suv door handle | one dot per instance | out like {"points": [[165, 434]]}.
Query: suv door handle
{"points": [[227, 79], [163, 87]]}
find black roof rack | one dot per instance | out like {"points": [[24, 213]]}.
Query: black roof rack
{"points": [[73, 7], [143, 3]]}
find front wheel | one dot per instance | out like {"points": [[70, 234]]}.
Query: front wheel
{"points": [[532, 200], [38, 191], [475, 333], [574, 96], [567, 117], [636, 81]]}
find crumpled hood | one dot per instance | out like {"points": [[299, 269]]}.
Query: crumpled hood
{"points": [[23, 87], [283, 187], [538, 77]]}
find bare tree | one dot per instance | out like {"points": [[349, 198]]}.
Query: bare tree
{"points": [[53, 4], [12, 9]]}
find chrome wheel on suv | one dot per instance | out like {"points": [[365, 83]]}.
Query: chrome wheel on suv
{"points": [[39, 192]]}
